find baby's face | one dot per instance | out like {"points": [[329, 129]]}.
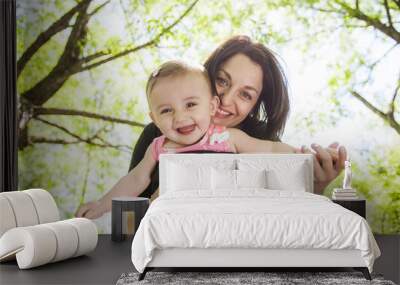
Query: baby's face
{"points": [[181, 106]]}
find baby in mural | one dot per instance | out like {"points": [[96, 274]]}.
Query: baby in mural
{"points": [[181, 105]]}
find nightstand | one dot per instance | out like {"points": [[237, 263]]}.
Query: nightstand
{"points": [[356, 205], [122, 213]]}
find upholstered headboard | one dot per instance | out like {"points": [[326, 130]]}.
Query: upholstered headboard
{"points": [[282, 171]]}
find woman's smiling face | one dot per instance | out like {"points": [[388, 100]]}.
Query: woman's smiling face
{"points": [[239, 82]]}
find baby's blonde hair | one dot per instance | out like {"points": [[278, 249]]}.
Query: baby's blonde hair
{"points": [[174, 68]]}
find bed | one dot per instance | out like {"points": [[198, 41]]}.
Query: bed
{"points": [[247, 210]]}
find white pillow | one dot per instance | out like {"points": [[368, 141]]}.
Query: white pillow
{"points": [[281, 173], [183, 177], [236, 179], [279, 180], [251, 178], [223, 179]]}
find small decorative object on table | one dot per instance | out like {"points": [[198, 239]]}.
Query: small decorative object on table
{"points": [[347, 192], [126, 214], [347, 196]]}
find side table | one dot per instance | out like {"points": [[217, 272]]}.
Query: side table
{"points": [[355, 205], [121, 205]]}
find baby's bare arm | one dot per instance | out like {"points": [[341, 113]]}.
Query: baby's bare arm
{"points": [[243, 143], [132, 184]]}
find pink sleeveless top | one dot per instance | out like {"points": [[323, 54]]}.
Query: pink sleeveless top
{"points": [[215, 139]]}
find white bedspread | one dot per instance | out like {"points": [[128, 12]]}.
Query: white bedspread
{"points": [[250, 218]]}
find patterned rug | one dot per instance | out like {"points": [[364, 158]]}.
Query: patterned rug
{"points": [[230, 278]]}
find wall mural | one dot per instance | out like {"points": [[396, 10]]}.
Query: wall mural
{"points": [[82, 67]]}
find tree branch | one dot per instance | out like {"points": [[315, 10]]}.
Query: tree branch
{"points": [[397, 3], [385, 2], [128, 20], [65, 130], [383, 56], [50, 84], [317, 9], [68, 112], [392, 102], [55, 28], [387, 117], [123, 53], [104, 53], [69, 62], [85, 180], [390, 31], [97, 9], [90, 140], [36, 139], [117, 146], [372, 66], [369, 105]]}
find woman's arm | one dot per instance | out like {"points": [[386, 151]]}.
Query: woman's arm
{"points": [[132, 184], [243, 143], [328, 162]]}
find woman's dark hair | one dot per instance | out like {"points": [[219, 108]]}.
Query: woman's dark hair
{"points": [[270, 113]]}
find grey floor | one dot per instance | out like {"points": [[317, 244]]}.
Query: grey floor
{"points": [[102, 266], [388, 264], [111, 259]]}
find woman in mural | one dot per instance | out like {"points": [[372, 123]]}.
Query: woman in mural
{"points": [[253, 93], [182, 106]]}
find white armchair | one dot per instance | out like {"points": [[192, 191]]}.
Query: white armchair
{"points": [[31, 232]]}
